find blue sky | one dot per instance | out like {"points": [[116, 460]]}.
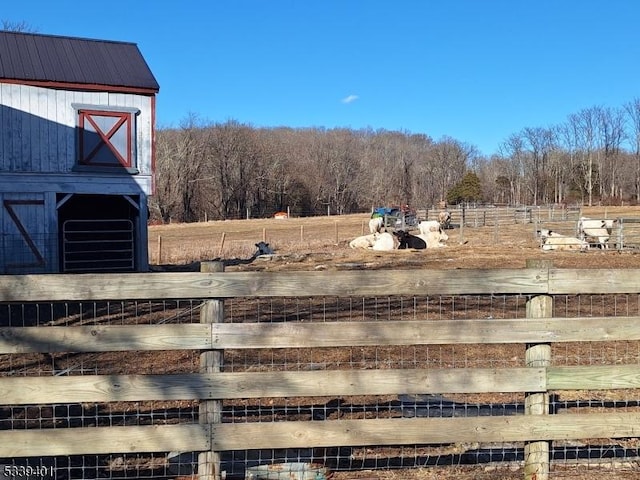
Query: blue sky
{"points": [[474, 70]]}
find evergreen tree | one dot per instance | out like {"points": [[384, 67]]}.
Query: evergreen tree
{"points": [[467, 190]]}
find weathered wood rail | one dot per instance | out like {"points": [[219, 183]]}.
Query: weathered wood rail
{"points": [[212, 385]]}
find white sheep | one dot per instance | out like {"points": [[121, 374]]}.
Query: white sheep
{"points": [[376, 224], [552, 240], [384, 242], [432, 232], [444, 219], [365, 241], [600, 230]]}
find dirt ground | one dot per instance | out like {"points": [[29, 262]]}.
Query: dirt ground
{"points": [[321, 244]]}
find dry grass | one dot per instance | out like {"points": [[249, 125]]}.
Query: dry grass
{"points": [[321, 243]]}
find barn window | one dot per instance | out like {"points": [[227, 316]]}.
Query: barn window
{"points": [[106, 138]]}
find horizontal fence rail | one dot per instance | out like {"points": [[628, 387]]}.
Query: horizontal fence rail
{"points": [[21, 391]]}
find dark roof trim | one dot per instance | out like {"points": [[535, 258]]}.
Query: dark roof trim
{"points": [[49, 60], [85, 86]]}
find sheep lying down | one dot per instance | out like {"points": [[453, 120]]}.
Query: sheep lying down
{"points": [[555, 241]]}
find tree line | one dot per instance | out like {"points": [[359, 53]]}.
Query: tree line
{"points": [[233, 170]]}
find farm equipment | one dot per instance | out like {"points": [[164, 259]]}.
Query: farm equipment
{"points": [[397, 218]]}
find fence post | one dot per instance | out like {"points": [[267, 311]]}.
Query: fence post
{"points": [[536, 454], [159, 249], [211, 361]]}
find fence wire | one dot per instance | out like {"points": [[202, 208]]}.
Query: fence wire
{"points": [[568, 457]]}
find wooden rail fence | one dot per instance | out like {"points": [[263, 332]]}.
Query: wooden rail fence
{"points": [[213, 384]]}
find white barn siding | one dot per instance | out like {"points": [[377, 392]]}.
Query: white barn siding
{"points": [[38, 160], [40, 133]]}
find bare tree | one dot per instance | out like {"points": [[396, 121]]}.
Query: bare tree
{"points": [[632, 109], [450, 162], [611, 126], [583, 125], [513, 151], [21, 26], [179, 161]]}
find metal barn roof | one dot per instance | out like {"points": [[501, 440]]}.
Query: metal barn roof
{"points": [[29, 57]]}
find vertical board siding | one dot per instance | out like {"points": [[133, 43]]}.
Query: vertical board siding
{"points": [[38, 127], [26, 233]]}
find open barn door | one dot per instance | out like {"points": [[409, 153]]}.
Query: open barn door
{"points": [[99, 233]]}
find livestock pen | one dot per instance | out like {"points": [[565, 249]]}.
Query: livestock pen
{"points": [[510, 373], [177, 243]]}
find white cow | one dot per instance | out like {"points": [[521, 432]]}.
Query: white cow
{"points": [[434, 239], [384, 242], [556, 241], [365, 241], [376, 224], [432, 232], [595, 229]]}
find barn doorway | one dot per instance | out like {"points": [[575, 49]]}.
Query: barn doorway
{"points": [[97, 233]]}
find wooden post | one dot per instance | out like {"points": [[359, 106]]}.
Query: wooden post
{"points": [[210, 411], [159, 249], [221, 244], [264, 234], [536, 454], [336, 226], [462, 220], [301, 233]]}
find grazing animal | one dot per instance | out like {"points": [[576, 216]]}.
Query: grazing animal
{"points": [[406, 240], [376, 224], [432, 232], [365, 241], [556, 241], [597, 230], [427, 226], [264, 249], [281, 215], [384, 242], [444, 219]]}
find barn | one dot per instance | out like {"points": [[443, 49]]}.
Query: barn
{"points": [[77, 129]]}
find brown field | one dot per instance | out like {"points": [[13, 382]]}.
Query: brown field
{"points": [[321, 243]]}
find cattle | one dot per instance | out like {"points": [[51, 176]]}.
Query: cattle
{"points": [[432, 232], [406, 240], [552, 240], [434, 239], [376, 224], [263, 249], [427, 226], [365, 241], [595, 231], [384, 242], [444, 219]]}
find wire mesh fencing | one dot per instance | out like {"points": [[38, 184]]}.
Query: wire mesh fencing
{"points": [[570, 458]]}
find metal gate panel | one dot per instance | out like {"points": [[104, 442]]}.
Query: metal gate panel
{"points": [[105, 245]]}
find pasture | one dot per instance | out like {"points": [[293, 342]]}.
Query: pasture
{"points": [[299, 325], [321, 243]]}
